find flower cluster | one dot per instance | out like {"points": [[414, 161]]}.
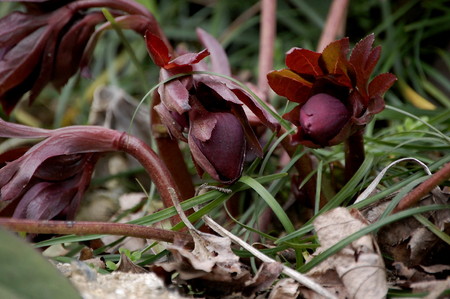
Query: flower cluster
{"points": [[206, 111], [333, 91], [52, 39]]}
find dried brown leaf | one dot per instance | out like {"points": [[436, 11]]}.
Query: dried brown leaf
{"points": [[359, 265], [127, 265]]}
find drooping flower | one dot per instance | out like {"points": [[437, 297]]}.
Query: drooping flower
{"points": [[48, 180], [334, 93], [52, 39], [206, 111]]}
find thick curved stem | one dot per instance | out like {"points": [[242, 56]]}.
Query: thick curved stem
{"points": [[154, 166]]}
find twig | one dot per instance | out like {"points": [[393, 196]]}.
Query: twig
{"points": [[423, 189], [335, 23], [87, 228]]}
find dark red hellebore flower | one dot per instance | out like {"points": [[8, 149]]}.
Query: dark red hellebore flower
{"points": [[49, 180], [334, 93], [53, 39], [206, 111]]}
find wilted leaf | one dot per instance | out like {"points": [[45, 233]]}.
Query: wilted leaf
{"points": [[127, 265], [26, 274], [286, 288]]}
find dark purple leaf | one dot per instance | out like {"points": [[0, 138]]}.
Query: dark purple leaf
{"points": [[219, 58]]}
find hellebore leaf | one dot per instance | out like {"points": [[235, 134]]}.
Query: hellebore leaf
{"points": [[381, 83], [157, 49], [334, 61], [17, 25], [186, 60], [288, 84], [219, 59], [71, 46], [364, 60], [303, 61], [20, 61]]}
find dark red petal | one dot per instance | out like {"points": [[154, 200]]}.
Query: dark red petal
{"points": [[290, 85], [303, 61], [264, 116], [157, 49], [219, 59], [174, 94], [167, 118], [322, 117]]}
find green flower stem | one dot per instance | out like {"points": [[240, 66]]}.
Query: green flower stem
{"points": [[170, 153], [354, 154], [82, 228]]}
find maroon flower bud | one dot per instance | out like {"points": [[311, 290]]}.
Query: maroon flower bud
{"points": [[218, 145], [322, 117]]}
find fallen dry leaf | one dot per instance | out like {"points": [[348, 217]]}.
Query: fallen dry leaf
{"points": [[286, 288], [359, 266], [407, 240], [127, 265]]}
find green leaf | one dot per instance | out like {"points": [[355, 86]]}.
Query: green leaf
{"points": [[271, 201], [26, 274]]}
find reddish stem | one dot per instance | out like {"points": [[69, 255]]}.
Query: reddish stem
{"points": [[423, 189], [304, 167], [266, 46], [87, 228], [155, 167], [354, 153], [335, 23], [170, 153]]}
